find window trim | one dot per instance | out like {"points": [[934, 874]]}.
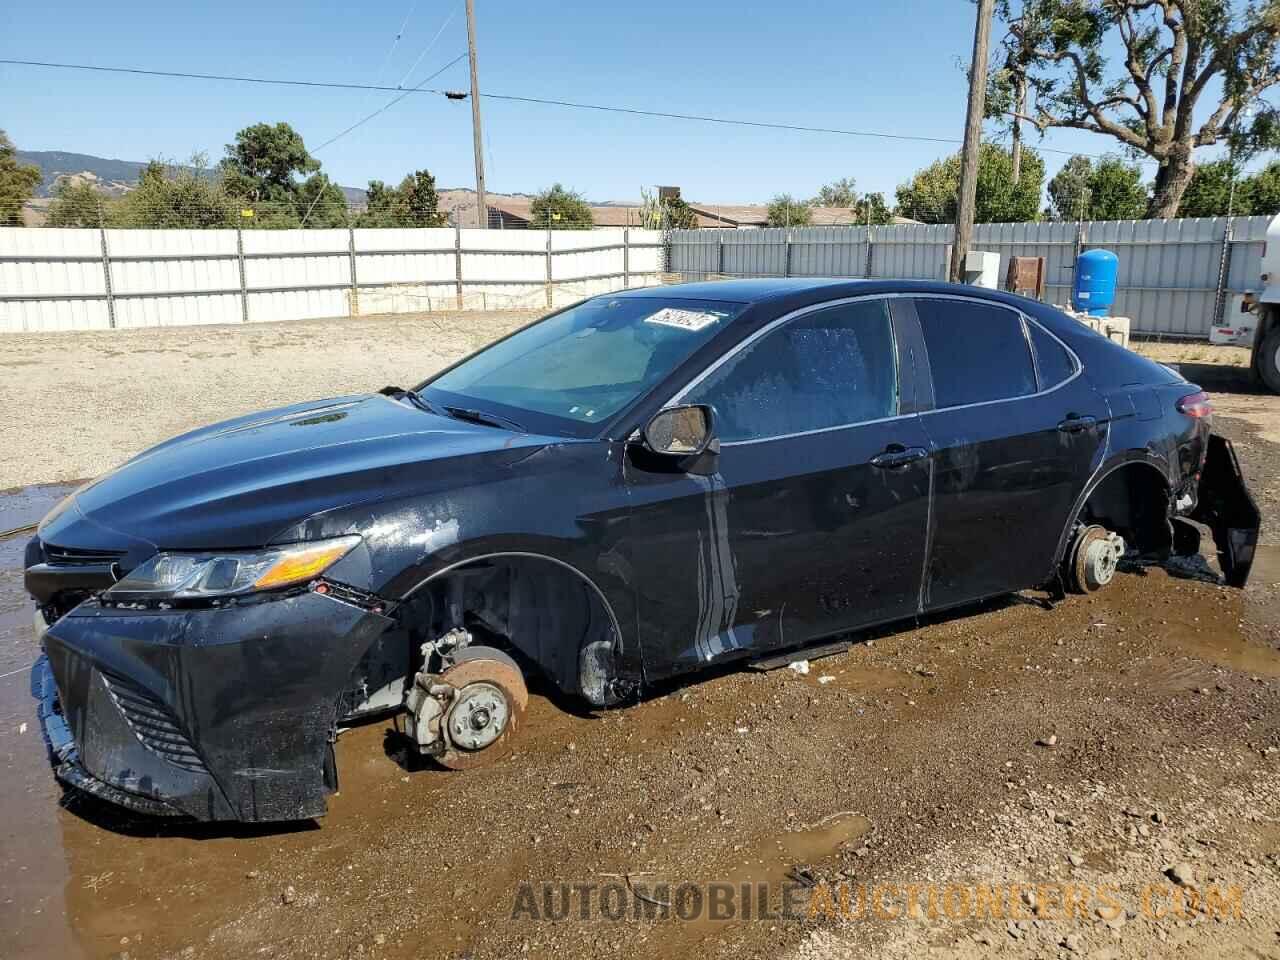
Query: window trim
{"points": [[1025, 319], [680, 395]]}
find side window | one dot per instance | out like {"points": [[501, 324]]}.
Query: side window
{"points": [[977, 352], [1052, 360], [830, 368]]}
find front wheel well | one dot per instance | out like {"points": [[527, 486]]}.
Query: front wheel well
{"points": [[544, 612], [1133, 500]]}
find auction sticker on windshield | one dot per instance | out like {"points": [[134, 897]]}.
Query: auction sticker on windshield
{"points": [[691, 320]]}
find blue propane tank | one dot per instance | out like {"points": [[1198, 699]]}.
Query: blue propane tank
{"points": [[1095, 289]]}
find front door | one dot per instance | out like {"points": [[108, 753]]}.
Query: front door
{"points": [[1016, 433], [815, 516]]}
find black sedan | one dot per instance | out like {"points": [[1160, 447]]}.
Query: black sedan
{"points": [[633, 488]]}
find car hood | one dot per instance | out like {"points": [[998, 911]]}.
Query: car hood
{"points": [[242, 482]]}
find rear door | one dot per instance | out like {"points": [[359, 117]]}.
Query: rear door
{"points": [[1015, 434], [813, 518]]}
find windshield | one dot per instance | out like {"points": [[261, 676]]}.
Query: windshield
{"points": [[583, 365]]}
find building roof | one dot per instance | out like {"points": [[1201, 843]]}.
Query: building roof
{"points": [[610, 215]]}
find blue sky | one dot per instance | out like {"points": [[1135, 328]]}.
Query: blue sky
{"points": [[892, 67]]}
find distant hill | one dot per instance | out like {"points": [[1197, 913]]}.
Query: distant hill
{"points": [[113, 177], [116, 177]]}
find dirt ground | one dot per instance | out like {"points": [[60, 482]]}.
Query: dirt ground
{"points": [[1092, 752]]}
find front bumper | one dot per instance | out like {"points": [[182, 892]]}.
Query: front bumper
{"points": [[216, 713]]}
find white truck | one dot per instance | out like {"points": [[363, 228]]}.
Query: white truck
{"points": [[1254, 319]]}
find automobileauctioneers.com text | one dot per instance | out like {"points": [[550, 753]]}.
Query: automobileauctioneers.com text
{"points": [[632, 898]]}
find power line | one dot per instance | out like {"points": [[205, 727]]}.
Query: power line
{"points": [[367, 117], [390, 103], [603, 108], [425, 50]]}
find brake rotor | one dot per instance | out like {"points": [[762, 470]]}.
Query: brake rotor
{"points": [[485, 713], [1097, 554]]}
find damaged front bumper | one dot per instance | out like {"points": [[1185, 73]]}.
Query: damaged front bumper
{"points": [[213, 713], [1226, 507]]}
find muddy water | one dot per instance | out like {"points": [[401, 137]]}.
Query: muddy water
{"points": [[33, 870]]}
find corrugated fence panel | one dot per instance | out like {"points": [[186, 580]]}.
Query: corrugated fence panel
{"points": [[755, 253], [910, 251], [1056, 242], [1168, 271], [1248, 234], [201, 287], [403, 270], [36, 265], [297, 274], [646, 255], [828, 252]]}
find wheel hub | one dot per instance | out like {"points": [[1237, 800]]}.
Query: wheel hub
{"points": [[1102, 557], [478, 716]]}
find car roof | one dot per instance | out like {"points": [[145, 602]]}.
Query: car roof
{"points": [[798, 291]]}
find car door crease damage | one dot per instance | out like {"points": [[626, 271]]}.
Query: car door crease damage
{"points": [[633, 488]]}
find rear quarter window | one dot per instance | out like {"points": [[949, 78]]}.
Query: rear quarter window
{"points": [[977, 352], [1053, 361]]}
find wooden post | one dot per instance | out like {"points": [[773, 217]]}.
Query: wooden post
{"points": [[720, 253], [477, 139], [786, 256], [972, 140]]}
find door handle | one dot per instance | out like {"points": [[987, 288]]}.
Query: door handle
{"points": [[1074, 424], [897, 455]]}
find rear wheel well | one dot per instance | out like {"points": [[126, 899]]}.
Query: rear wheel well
{"points": [[1133, 500], [543, 612]]}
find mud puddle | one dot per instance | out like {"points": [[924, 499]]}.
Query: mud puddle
{"points": [[33, 871]]}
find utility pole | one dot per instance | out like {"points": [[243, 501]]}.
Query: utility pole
{"points": [[972, 140], [482, 205], [1019, 108]]}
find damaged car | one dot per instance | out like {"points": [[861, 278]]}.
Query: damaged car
{"points": [[645, 484]]}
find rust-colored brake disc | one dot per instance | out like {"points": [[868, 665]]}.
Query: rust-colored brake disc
{"points": [[469, 741]]}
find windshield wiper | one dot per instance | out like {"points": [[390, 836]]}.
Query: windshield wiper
{"points": [[481, 417], [421, 402]]}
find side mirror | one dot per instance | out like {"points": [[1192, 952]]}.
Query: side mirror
{"points": [[686, 431]]}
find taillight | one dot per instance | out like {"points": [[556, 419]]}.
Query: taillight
{"points": [[1195, 405]]}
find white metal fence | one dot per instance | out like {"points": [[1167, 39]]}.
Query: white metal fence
{"points": [[1176, 276], [63, 279]]}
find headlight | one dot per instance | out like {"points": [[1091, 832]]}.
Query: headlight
{"points": [[184, 576]]}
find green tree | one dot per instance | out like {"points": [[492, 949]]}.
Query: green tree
{"points": [[170, 197], [1264, 191], [1161, 77], [265, 161], [1209, 192], [76, 204], [872, 210], [1108, 190], [421, 201], [321, 203], [18, 182], [414, 203], [838, 193], [930, 196], [786, 211], [671, 213], [1069, 189], [559, 209]]}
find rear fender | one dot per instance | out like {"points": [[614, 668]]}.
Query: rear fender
{"points": [[1227, 508]]}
